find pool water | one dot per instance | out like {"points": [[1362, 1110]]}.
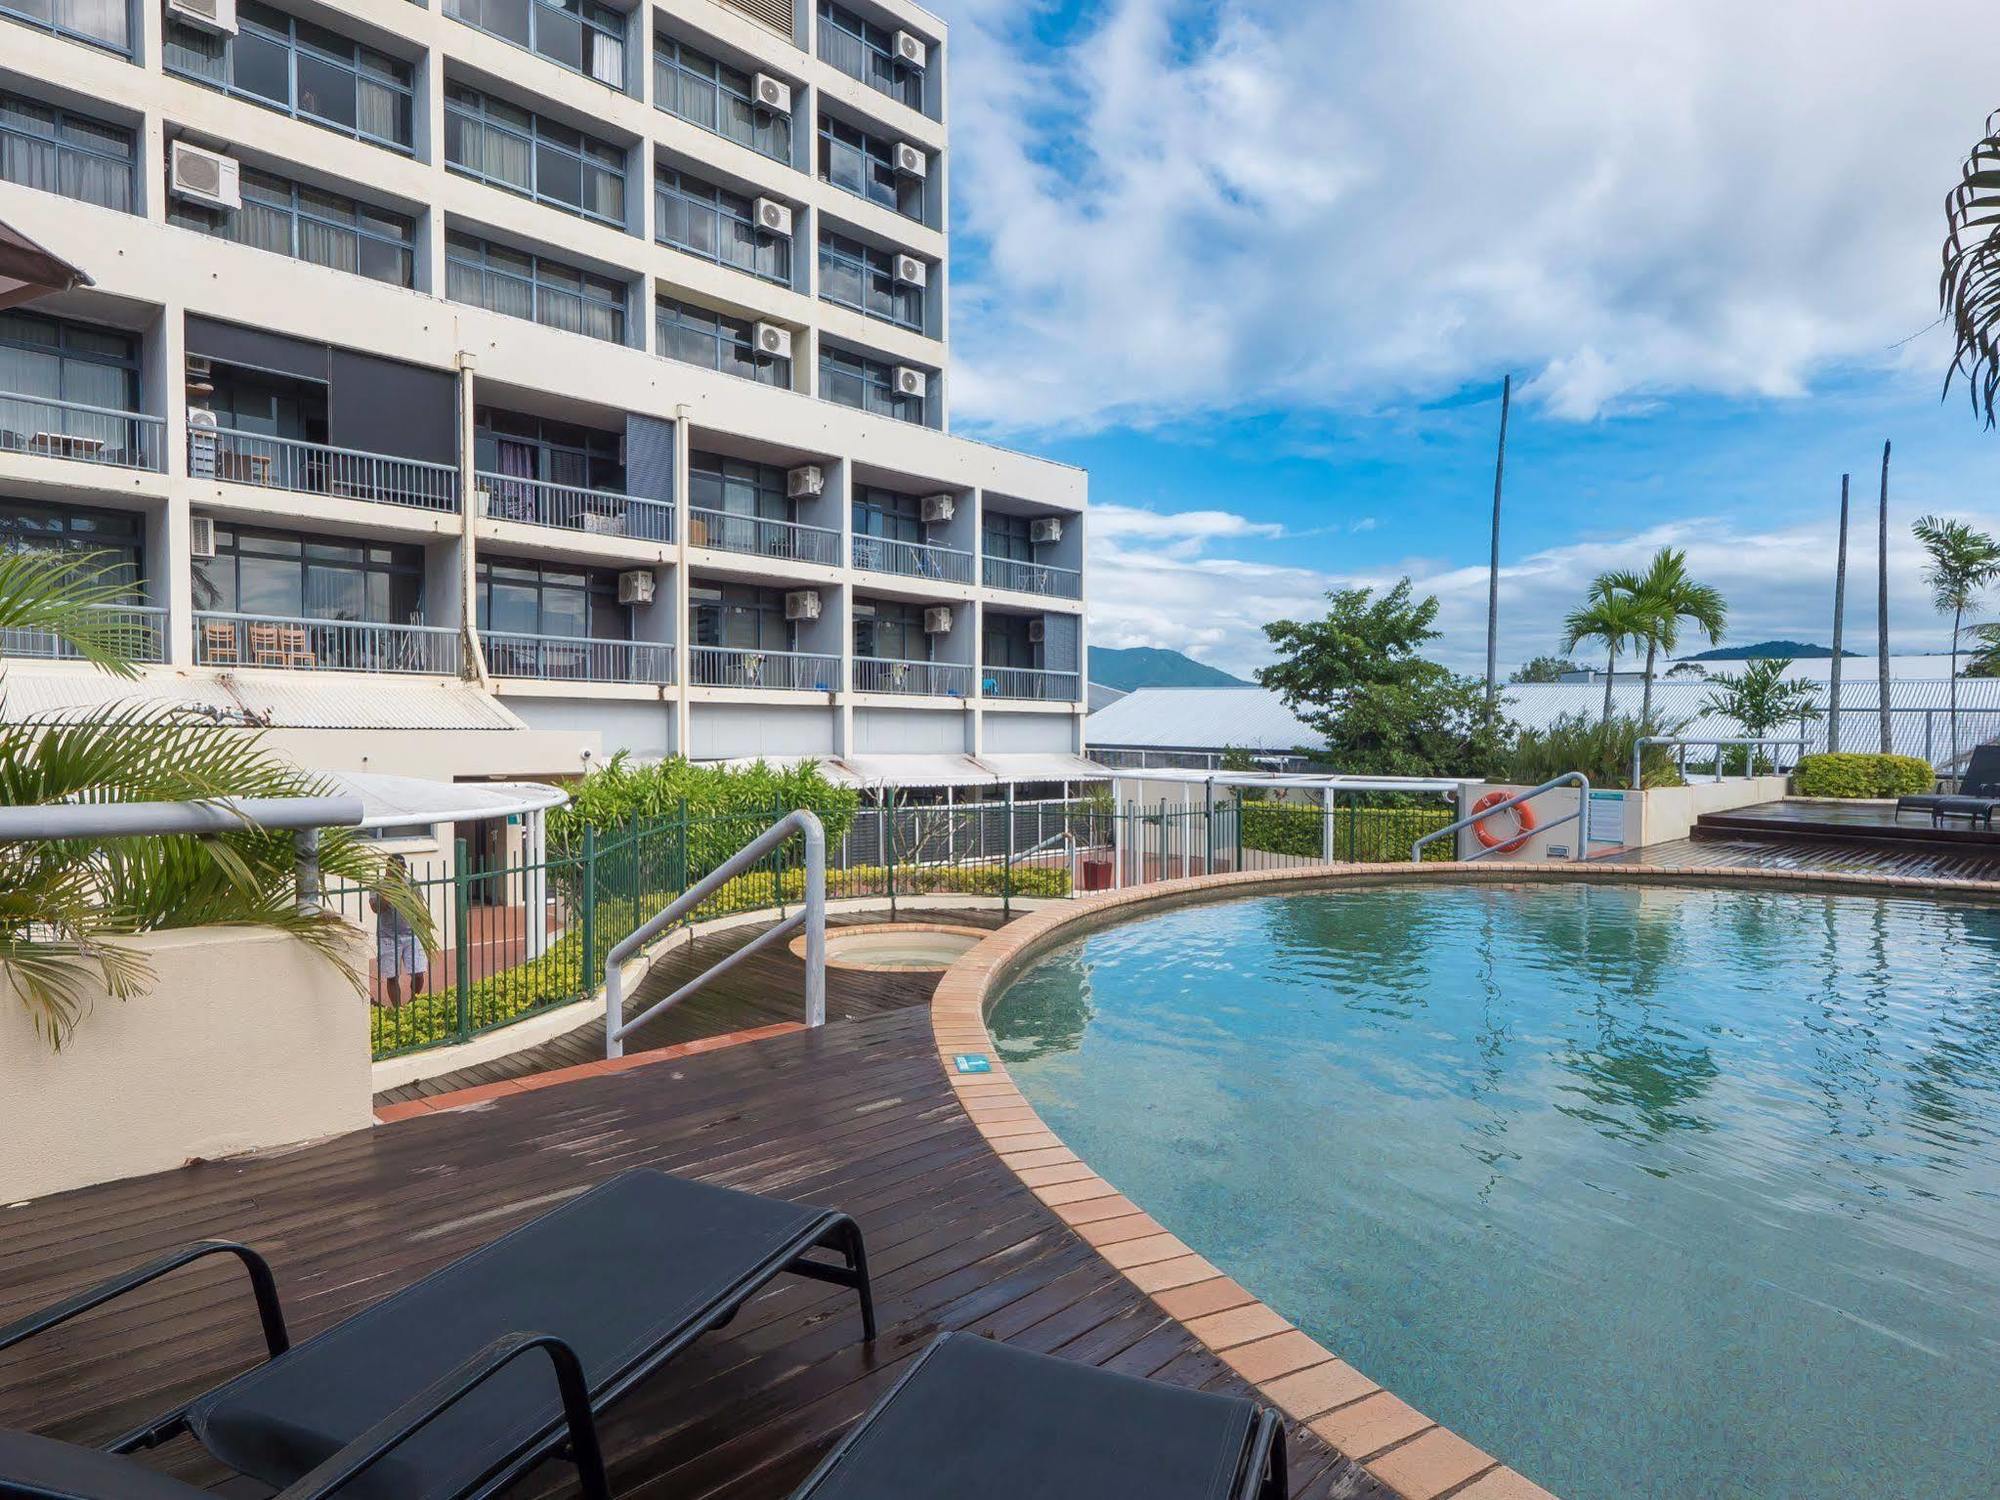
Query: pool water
{"points": [[1646, 1190]]}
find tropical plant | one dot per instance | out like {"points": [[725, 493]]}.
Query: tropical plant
{"points": [[730, 805], [1761, 697], [1600, 748], [1963, 561], [1613, 616], [1984, 660], [1853, 774], [1544, 669], [1969, 290], [1670, 598], [67, 905]]}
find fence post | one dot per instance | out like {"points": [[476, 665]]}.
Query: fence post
{"points": [[1326, 827], [638, 884], [681, 873], [1238, 821], [589, 961], [889, 846], [1353, 827], [1208, 827], [461, 930], [1007, 866], [778, 862]]}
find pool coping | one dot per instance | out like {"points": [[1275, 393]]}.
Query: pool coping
{"points": [[1417, 1458]]}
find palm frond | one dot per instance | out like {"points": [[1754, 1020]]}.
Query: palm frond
{"points": [[1969, 289], [63, 594]]}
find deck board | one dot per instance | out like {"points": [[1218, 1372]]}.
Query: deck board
{"points": [[1917, 862]]}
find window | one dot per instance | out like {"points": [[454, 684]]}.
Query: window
{"points": [[886, 514], [301, 70], [294, 577], [102, 23], [859, 276], [1007, 644], [525, 447], [891, 631], [869, 384], [524, 598], [717, 97], [737, 487], [863, 50], [1007, 536], [717, 225], [527, 153], [740, 617], [579, 35], [278, 406], [26, 526], [534, 287], [696, 336], [309, 224], [866, 166], [59, 152]]}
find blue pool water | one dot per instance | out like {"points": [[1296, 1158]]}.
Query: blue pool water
{"points": [[1647, 1190]]}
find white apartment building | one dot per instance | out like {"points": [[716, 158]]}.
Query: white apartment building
{"points": [[482, 387]]}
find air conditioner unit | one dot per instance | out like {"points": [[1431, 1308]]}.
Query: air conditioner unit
{"points": [[201, 443], [635, 587], [911, 49], [939, 508], [802, 604], [201, 536], [911, 271], [1046, 529], [1037, 631], [937, 620], [774, 217], [909, 382], [773, 339], [773, 94], [805, 480], [910, 160], [209, 15], [204, 177]]}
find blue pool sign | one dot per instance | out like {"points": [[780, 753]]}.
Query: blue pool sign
{"points": [[973, 1062], [1606, 823]]}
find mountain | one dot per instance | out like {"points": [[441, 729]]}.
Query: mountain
{"points": [[1794, 650], [1130, 667]]}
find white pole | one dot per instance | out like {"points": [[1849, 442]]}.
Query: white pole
{"points": [[535, 887]]}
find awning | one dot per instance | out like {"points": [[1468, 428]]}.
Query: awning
{"points": [[414, 802], [1047, 768], [303, 700], [27, 271], [919, 770]]}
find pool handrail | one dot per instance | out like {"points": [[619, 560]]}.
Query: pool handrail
{"points": [[1684, 745], [1568, 778]]}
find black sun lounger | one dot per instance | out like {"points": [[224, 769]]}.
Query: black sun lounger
{"points": [[1977, 795], [457, 1385], [975, 1420]]}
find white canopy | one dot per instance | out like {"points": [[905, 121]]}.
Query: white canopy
{"points": [[413, 802]]}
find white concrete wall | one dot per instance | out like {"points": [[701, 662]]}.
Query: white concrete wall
{"points": [[1669, 812]]}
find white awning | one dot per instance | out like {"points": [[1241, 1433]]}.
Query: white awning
{"points": [[414, 802], [1047, 768], [919, 770]]}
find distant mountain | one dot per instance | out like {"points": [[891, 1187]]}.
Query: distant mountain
{"points": [[1794, 650], [1130, 667]]}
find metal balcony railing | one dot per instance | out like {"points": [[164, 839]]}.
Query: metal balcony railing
{"points": [[935, 679], [295, 643], [317, 469], [84, 434], [761, 537], [1029, 682], [142, 631], [1033, 578], [576, 658], [912, 559], [772, 671], [540, 502]]}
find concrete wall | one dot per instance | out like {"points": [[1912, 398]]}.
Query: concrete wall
{"points": [[246, 1039], [1669, 812]]}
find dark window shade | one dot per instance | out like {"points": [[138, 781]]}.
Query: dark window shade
{"points": [[256, 350], [383, 406]]}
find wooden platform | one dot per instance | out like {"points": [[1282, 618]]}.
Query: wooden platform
{"points": [[857, 1115], [1917, 861], [1866, 823]]}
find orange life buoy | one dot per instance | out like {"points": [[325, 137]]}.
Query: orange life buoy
{"points": [[1523, 815]]}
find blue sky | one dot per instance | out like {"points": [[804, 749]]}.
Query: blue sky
{"points": [[1259, 267]]}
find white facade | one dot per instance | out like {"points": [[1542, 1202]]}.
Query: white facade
{"points": [[405, 482]]}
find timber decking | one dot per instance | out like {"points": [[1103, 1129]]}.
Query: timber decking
{"points": [[857, 1115], [1797, 820], [1920, 862]]}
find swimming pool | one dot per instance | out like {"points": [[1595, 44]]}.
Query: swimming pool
{"points": [[1647, 1190]]}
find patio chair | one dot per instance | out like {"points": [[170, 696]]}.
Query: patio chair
{"points": [[441, 1391], [267, 646], [1976, 799], [297, 646], [976, 1420], [218, 643]]}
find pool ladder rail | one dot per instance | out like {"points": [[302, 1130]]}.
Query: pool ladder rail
{"points": [[1519, 799]]}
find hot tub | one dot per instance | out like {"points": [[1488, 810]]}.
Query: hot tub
{"points": [[896, 947]]}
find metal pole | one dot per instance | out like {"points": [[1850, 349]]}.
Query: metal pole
{"points": [[1882, 611], [815, 923], [305, 848], [461, 922], [1493, 566], [889, 844], [1839, 620], [1007, 868]]}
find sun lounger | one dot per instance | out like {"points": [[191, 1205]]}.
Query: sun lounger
{"points": [[459, 1384], [1977, 796], [975, 1420]]}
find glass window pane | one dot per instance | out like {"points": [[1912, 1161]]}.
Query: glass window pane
{"points": [[262, 67], [559, 37], [326, 90]]}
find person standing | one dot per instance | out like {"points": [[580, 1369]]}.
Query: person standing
{"points": [[400, 959]]}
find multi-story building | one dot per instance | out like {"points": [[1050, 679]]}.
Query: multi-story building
{"points": [[482, 386]]}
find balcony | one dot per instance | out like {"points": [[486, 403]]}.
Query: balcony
{"points": [[756, 536], [276, 463], [877, 554], [538, 502], [771, 671], [1033, 578], [142, 636], [82, 434], [294, 643], [577, 658], [930, 679], [1030, 683]]}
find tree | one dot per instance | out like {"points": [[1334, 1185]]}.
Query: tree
{"points": [[1969, 291], [1963, 562], [1669, 597], [66, 904], [1984, 660], [1544, 669], [1761, 697], [1613, 616]]}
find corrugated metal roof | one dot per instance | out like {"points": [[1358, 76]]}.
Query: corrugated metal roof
{"points": [[1248, 718], [302, 700], [410, 801]]}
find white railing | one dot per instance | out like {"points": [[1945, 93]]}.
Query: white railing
{"points": [[1029, 682], [295, 643], [772, 671], [1506, 804], [540, 502], [937, 679], [1033, 578], [142, 635], [317, 469], [1681, 746], [762, 537], [83, 434], [575, 658], [879, 554]]}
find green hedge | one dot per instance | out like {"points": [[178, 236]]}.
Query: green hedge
{"points": [[1846, 775], [1372, 835]]}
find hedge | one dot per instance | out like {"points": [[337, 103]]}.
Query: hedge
{"points": [[1371, 835], [1850, 775]]}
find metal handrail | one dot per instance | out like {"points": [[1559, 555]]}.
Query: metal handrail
{"points": [[279, 463], [882, 554], [1038, 684], [87, 434], [1033, 577], [1568, 778], [770, 671], [1683, 744], [811, 917], [574, 507], [764, 536]]}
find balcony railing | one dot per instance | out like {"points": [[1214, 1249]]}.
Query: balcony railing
{"points": [[277, 463], [295, 643], [142, 635], [761, 537], [538, 502], [577, 658], [85, 434], [773, 671], [1029, 682], [880, 554], [933, 679], [1033, 578]]}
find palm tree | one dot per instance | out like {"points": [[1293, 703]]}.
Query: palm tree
{"points": [[1671, 597], [1760, 698], [65, 904], [1611, 615], [1963, 562], [1969, 290]]}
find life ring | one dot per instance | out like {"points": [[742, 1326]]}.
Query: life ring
{"points": [[1523, 814]]}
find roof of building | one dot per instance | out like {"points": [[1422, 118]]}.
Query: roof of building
{"points": [[1247, 718], [296, 700], [415, 802]]}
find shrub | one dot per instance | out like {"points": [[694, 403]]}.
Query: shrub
{"points": [[727, 806], [1600, 748], [1849, 775], [1371, 835]]}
